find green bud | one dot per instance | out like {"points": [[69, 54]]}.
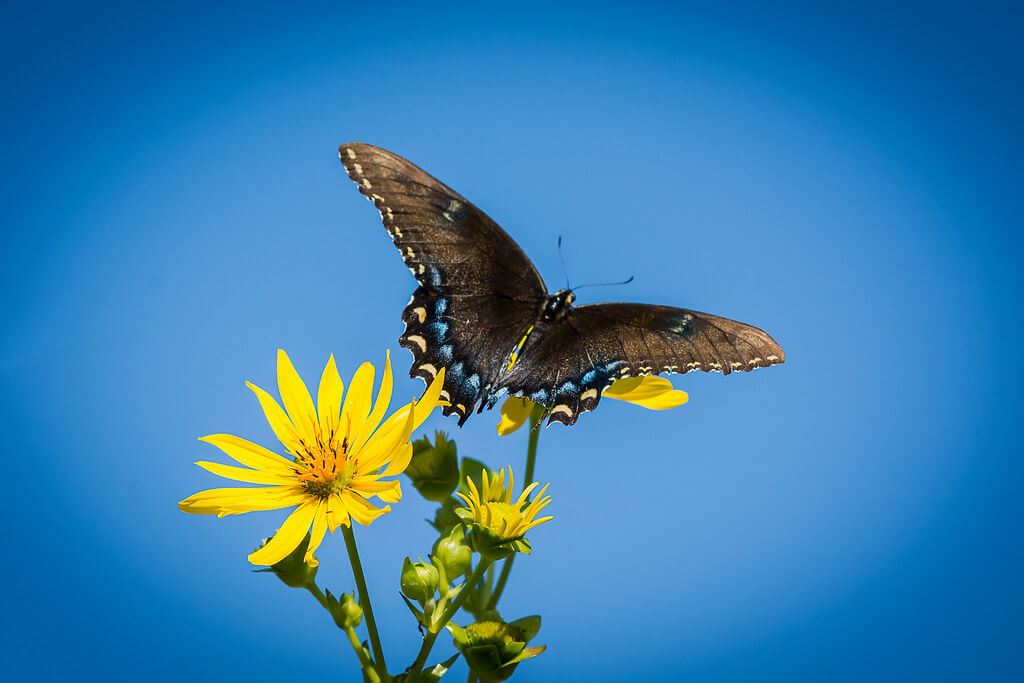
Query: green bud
{"points": [[454, 553], [419, 580], [346, 611], [293, 570], [493, 649], [434, 469]]}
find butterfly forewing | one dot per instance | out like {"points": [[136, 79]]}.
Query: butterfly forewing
{"points": [[478, 292]]}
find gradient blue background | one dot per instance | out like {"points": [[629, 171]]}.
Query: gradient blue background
{"points": [[848, 179]]}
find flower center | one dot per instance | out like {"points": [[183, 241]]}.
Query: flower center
{"points": [[324, 466], [501, 517]]}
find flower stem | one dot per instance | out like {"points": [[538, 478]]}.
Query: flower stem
{"points": [[364, 598], [531, 459], [364, 659], [436, 626], [365, 663]]}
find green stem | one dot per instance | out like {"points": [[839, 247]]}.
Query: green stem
{"points": [[506, 569], [364, 598], [435, 627], [531, 459], [364, 659], [365, 663]]}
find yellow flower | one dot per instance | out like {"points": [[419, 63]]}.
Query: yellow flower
{"points": [[337, 457], [491, 506], [648, 391]]}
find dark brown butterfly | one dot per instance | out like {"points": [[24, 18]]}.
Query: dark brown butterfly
{"points": [[479, 296]]}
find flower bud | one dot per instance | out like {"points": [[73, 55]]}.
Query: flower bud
{"points": [[454, 553], [346, 611], [419, 580], [434, 469], [493, 648]]}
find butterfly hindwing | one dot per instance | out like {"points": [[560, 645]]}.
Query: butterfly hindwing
{"points": [[567, 366], [478, 292]]}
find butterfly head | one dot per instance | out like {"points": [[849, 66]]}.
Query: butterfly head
{"points": [[557, 305]]}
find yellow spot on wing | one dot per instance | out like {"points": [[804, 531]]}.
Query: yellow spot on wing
{"points": [[420, 342]]}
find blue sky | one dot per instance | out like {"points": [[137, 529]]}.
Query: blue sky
{"points": [[847, 179]]}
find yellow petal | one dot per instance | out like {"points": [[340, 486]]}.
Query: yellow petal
{"points": [[388, 491], [279, 421], [381, 448], [400, 459], [316, 534], [245, 474], [296, 398], [357, 400], [235, 500], [337, 515], [250, 454], [288, 536], [328, 398], [648, 391], [426, 404], [515, 412], [379, 407], [360, 510]]}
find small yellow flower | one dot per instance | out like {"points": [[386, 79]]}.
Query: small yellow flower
{"points": [[648, 391], [337, 457], [491, 506]]}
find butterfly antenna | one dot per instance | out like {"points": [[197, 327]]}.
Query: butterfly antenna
{"points": [[562, 259], [606, 284]]}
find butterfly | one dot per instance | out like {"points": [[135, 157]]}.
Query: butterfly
{"points": [[482, 312]]}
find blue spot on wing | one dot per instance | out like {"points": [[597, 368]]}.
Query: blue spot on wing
{"points": [[566, 388], [435, 276], [539, 396], [439, 329], [455, 372], [445, 353], [441, 306]]}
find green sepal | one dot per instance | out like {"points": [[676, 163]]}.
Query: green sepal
{"points": [[526, 653], [434, 469], [489, 544], [521, 545], [458, 633], [527, 626], [432, 674], [293, 570]]}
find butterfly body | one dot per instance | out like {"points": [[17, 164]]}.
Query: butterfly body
{"points": [[481, 304]]}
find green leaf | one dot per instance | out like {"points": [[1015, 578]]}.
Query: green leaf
{"points": [[412, 608]]}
